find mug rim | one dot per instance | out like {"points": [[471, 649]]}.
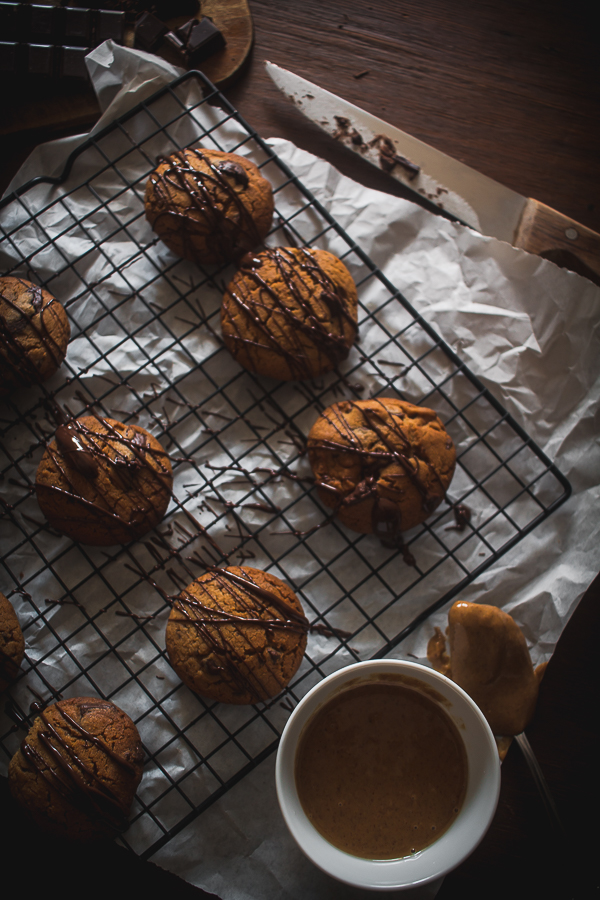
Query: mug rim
{"points": [[447, 851]]}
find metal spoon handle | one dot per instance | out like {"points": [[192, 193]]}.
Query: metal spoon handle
{"points": [[542, 784]]}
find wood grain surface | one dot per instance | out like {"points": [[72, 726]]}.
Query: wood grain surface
{"points": [[234, 20], [511, 89], [556, 237]]}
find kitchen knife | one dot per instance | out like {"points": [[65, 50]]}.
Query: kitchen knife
{"points": [[466, 194]]}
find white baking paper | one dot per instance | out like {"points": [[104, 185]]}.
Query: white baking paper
{"points": [[528, 329]]}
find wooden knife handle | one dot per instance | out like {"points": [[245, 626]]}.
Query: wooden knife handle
{"points": [[564, 241]]}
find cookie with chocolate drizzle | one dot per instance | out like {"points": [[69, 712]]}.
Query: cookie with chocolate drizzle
{"points": [[290, 313], [383, 465], [236, 635], [77, 770], [34, 333], [12, 644], [101, 482], [209, 206]]}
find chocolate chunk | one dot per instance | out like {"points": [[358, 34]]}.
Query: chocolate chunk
{"points": [[8, 57], [235, 171], [73, 62], [40, 59], [9, 25], [175, 43], [78, 27], [149, 32], [52, 26], [204, 40], [42, 24], [109, 26], [184, 31]]}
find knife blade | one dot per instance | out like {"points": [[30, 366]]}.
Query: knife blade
{"points": [[468, 195]]}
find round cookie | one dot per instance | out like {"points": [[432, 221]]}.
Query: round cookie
{"points": [[209, 206], [236, 635], [382, 465], [290, 313], [34, 333], [12, 644], [101, 482], [77, 770]]}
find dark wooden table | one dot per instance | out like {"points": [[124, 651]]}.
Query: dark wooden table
{"points": [[512, 89]]}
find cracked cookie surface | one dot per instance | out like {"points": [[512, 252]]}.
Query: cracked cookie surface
{"points": [[290, 313], [77, 770], [382, 465], [101, 482], [34, 333], [209, 206], [236, 635], [12, 643]]}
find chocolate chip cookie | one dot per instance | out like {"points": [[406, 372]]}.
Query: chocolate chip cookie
{"points": [[290, 313], [77, 770], [34, 333], [209, 206], [382, 465], [236, 635], [12, 644], [101, 482]]}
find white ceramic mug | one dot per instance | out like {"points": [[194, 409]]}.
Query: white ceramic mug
{"points": [[465, 832]]}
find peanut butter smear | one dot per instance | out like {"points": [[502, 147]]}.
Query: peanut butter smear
{"points": [[489, 659], [436, 653]]}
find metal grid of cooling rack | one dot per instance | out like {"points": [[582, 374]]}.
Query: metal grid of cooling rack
{"points": [[145, 348]]}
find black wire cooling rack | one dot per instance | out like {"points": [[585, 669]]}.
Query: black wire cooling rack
{"points": [[145, 348]]}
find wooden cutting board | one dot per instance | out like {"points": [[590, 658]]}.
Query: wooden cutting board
{"points": [[233, 19]]}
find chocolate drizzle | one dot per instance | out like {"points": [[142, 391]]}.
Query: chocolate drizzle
{"points": [[214, 210], [74, 450], [258, 607], [64, 770], [316, 313], [16, 365], [387, 425], [87, 450]]}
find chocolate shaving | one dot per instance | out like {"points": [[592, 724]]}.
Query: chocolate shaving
{"points": [[388, 158]]}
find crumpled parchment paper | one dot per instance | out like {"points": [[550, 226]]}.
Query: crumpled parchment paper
{"points": [[529, 330]]}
